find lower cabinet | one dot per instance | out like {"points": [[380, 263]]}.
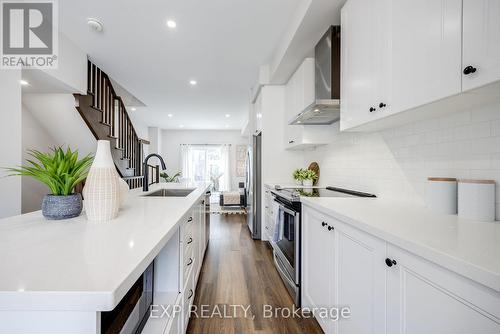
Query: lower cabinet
{"points": [[425, 298], [317, 265], [387, 289], [359, 280], [193, 246]]}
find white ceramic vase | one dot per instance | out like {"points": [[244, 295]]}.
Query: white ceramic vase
{"points": [[124, 189], [307, 183], [102, 188]]}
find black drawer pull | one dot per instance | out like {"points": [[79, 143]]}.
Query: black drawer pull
{"points": [[190, 241], [190, 261], [191, 293], [469, 70], [190, 219], [390, 262]]}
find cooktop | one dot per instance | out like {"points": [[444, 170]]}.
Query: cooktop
{"points": [[294, 194]]}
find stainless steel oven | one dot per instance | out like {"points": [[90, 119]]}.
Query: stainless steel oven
{"points": [[286, 244]]}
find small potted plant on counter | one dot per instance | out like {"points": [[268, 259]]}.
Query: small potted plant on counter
{"points": [[169, 179], [298, 176], [308, 176], [61, 171]]}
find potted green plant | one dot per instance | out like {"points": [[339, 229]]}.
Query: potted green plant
{"points": [[173, 178], [309, 176], [61, 171], [297, 176]]}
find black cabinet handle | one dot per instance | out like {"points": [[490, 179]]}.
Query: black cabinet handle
{"points": [[190, 261], [372, 109], [291, 141], [190, 219], [330, 228], [191, 293], [382, 105], [390, 262], [469, 70], [190, 241], [323, 224]]}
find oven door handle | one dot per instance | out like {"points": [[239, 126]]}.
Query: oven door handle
{"points": [[287, 210]]}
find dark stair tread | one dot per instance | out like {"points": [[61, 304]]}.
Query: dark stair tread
{"points": [[96, 108]]}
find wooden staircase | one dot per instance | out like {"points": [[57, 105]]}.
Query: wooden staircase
{"points": [[106, 116]]}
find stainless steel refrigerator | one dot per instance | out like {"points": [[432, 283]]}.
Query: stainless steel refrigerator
{"points": [[253, 186]]}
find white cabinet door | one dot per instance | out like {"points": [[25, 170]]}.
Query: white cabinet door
{"points": [[426, 51], [317, 264], [358, 62], [481, 42], [360, 280], [425, 298]]}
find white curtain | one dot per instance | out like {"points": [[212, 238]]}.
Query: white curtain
{"points": [[185, 162], [225, 184]]}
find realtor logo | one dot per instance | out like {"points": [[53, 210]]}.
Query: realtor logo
{"points": [[29, 34]]}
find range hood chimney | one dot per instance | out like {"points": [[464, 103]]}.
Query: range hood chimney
{"points": [[326, 107]]}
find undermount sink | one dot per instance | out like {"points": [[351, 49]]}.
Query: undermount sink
{"points": [[170, 193]]}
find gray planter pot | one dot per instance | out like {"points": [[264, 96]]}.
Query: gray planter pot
{"points": [[62, 207]]}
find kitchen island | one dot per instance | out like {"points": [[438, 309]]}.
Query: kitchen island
{"points": [[58, 276]]}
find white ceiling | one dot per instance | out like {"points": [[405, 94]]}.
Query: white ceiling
{"points": [[219, 43]]}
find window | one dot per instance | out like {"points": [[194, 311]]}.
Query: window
{"points": [[207, 163]]}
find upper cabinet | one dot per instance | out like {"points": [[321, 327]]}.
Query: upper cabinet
{"points": [[481, 42], [299, 94], [365, 75], [398, 55], [299, 90], [426, 51]]}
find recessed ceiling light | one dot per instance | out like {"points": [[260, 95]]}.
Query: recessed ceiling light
{"points": [[24, 82], [95, 24], [181, 126], [298, 122], [228, 115], [193, 82], [170, 115], [133, 109], [171, 24]]}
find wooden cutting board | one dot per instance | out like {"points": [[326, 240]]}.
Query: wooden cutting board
{"points": [[314, 167]]}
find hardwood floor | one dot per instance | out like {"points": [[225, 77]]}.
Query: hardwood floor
{"points": [[240, 271]]}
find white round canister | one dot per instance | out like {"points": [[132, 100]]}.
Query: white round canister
{"points": [[441, 195], [476, 200]]}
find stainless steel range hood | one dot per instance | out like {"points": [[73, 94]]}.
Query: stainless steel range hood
{"points": [[326, 107]]}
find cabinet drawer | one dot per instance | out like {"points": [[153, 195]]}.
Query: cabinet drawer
{"points": [[187, 300], [188, 240], [187, 226], [188, 263]]}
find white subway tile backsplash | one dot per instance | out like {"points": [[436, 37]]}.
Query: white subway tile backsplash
{"points": [[396, 162]]}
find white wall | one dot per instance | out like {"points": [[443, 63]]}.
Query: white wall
{"points": [[10, 141], [56, 113], [395, 163], [172, 140], [35, 137]]}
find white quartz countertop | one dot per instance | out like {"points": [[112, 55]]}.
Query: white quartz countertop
{"points": [[80, 265], [469, 248]]}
